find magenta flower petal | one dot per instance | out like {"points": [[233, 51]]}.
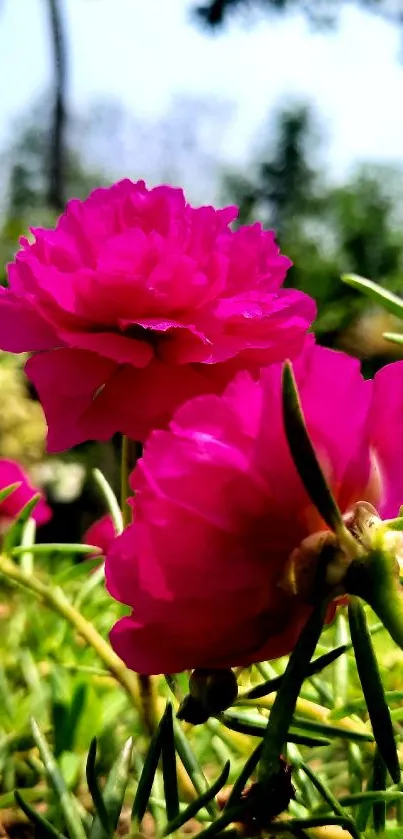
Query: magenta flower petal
{"points": [[11, 473], [100, 534], [22, 328], [68, 381], [135, 279], [219, 509], [387, 438]]}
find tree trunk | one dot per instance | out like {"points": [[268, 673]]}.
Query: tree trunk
{"points": [[57, 162]]}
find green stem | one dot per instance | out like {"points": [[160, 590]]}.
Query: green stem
{"points": [[146, 686], [148, 702], [284, 704], [375, 578], [56, 600]]}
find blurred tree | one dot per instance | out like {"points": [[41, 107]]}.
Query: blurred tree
{"points": [[321, 13], [326, 229], [26, 175], [57, 162], [285, 185]]}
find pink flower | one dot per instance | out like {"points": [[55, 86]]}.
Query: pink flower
{"points": [[138, 301], [101, 534], [12, 473], [220, 508]]}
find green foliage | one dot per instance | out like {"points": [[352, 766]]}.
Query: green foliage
{"points": [[326, 229], [71, 785]]}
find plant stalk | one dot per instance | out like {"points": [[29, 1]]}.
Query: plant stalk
{"points": [[56, 600]]}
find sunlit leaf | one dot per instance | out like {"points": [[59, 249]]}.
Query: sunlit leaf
{"points": [[391, 302]]}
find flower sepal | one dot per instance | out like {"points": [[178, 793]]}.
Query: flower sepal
{"points": [[375, 578]]}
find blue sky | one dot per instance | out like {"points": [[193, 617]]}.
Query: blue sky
{"points": [[143, 53]]}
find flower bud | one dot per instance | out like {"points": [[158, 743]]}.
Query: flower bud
{"points": [[192, 711], [210, 692], [216, 690]]}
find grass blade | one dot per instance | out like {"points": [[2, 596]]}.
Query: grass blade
{"points": [[388, 796], [169, 766], [389, 301], [110, 499], [372, 687], [244, 776], [13, 535], [147, 776], [4, 493], [376, 782], [328, 796], [94, 789], [333, 730], [193, 808], [114, 793], [45, 829], [379, 785], [192, 767], [393, 337], [340, 669], [67, 803], [28, 535], [316, 666], [255, 726], [228, 816], [57, 547]]}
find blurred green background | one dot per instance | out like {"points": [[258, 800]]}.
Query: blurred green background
{"points": [[289, 108]]}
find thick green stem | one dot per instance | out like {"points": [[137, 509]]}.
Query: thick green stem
{"points": [[375, 578], [286, 698], [56, 600]]}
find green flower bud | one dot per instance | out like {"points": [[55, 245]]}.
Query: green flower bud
{"points": [[192, 711], [216, 690], [210, 692]]}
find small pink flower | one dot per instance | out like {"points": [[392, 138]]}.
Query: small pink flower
{"points": [[12, 473], [101, 534], [138, 301], [219, 510]]}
